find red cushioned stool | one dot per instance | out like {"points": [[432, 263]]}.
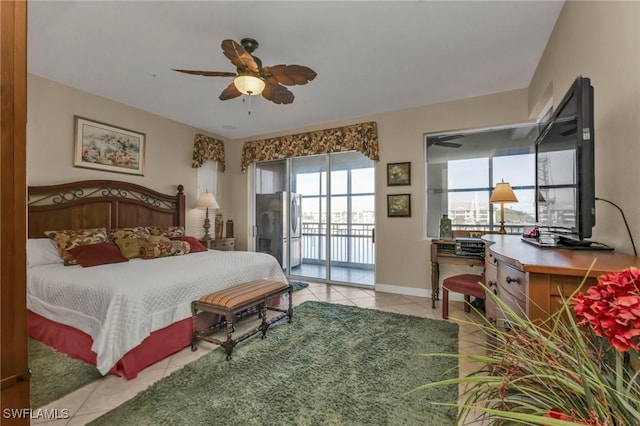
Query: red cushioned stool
{"points": [[467, 284]]}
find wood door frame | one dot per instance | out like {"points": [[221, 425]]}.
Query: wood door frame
{"points": [[14, 369]]}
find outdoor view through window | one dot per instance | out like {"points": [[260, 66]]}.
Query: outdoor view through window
{"points": [[462, 170]]}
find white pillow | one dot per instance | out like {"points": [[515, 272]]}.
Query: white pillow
{"points": [[42, 251]]}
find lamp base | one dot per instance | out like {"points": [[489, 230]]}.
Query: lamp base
{"points": [[206, 226]]}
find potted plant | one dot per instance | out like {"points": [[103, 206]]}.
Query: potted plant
{"points": [[575, 368]]}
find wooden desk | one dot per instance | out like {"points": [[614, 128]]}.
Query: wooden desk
{"points": [[547, 274], [444, 252]]}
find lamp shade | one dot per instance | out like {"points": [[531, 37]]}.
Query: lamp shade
{"points": [[503, 193], [249, 84], [207, 201]]}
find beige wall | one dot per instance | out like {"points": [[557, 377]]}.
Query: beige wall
{"points": [[601, 40], [50, 140], [402, 251]]}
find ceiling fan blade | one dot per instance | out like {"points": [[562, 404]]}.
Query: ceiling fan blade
{"points": [[230, 92], [209, 73], [277, 94], [290, 75], [448, 144], [443, 138], [238, 56]]}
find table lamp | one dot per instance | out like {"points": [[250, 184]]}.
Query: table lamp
{"points": [[503, 193], [207, 201]]}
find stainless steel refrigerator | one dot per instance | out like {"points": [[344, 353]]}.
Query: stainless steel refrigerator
{"points": [[279, 226]]}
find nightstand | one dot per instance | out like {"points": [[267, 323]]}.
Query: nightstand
{"points": [[225, 244]]}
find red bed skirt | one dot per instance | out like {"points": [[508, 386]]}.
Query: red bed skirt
{"points": [[77, 344]]}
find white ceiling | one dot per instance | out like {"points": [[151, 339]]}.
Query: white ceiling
{"points": [[371, 57]]}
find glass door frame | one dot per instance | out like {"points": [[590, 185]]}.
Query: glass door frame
{"points": [[252, 235]]}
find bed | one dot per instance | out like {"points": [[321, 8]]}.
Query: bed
{"points": [[123, 317]]}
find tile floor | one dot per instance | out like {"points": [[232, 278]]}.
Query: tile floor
{"points": [[97, 398]]}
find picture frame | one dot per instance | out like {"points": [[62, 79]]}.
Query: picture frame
{"points": [[398, 205], [399, 174], [108, 148]]}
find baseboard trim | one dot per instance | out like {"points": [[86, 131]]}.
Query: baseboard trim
{"points": [[412, 291]]}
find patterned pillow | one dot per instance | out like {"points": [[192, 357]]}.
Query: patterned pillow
{"points": [[134, 232], [130, 247], [155, 238], [71, 238], [163, 249], [166, 231], [97, 254], [196, 246]]}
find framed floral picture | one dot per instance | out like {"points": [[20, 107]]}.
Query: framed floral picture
{"points": [[398, 174], [108, 148], [399, 205]]}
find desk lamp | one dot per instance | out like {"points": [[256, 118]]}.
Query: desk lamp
{"points": [[207, 201], [503, 193]]}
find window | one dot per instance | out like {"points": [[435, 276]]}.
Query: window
{"points": [[462, 170]]}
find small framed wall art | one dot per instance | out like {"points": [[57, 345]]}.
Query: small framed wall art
{"points": [[399, 174], [399, 205], [108, 148]]}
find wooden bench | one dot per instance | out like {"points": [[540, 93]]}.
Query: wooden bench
{"points": [[234, 300]]}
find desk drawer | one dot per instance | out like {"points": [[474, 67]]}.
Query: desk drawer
{"points": [[512, 288], [565, 285]]}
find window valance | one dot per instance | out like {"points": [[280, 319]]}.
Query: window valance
{"points": [[362, 137], [207, 148]]}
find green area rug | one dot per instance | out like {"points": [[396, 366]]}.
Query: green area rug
{"points": [[333, 364], [54, 375], [298, 285]]}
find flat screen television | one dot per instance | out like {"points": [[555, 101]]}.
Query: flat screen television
{"points": [[565, 177]]}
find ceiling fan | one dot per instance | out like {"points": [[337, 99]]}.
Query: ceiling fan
{"points": [[443, 140], [252, 78]]}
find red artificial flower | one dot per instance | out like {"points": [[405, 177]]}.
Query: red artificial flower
{"points": [[554, 413], [612, 308]]}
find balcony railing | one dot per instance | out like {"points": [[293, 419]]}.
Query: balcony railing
{"points": [[351, 244]]}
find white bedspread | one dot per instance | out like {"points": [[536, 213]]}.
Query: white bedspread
{"points": [[120, 304]]}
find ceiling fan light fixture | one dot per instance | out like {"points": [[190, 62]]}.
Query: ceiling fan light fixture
{"points": [[249, 84]]}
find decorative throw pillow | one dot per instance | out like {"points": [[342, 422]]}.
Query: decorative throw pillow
{"points": [[97, 254], [70, 238], [42, 251], [167, 231], [196, 245], [163, 249], [134, 232], [130, 247], [155, 238]]}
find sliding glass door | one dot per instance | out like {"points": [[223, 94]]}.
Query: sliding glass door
{"points": [[327, 218], [352, 212], [309, 179]]}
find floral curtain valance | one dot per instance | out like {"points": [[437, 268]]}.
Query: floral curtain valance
{"points": [[207, 148], [362, 137]]}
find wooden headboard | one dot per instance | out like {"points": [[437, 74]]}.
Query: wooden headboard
{"points": [[101, 203]]}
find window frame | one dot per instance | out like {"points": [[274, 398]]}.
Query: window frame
{"points": [[492, 225]]}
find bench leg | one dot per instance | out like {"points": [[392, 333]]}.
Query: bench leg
{"points": [[264, 326], [290, 311], [229, 343]]}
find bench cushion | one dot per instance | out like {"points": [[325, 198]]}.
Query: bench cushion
{"points": [[239, 295]]}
